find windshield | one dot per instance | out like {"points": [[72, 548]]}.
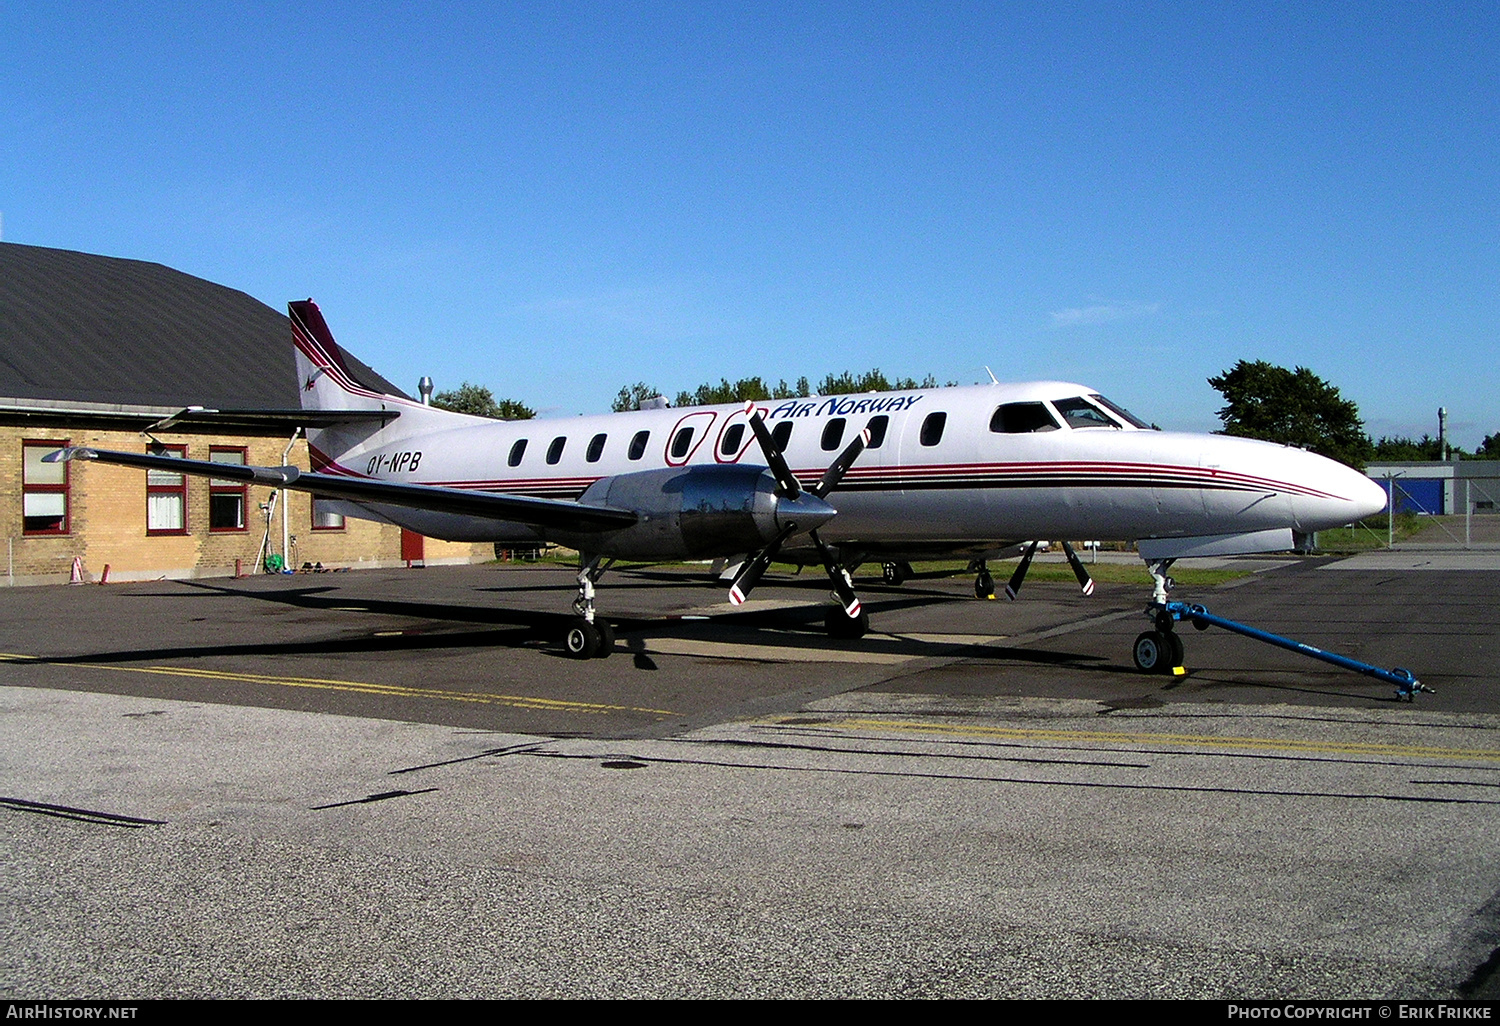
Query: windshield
{"points": [[1080, 413], [1120, 411]]}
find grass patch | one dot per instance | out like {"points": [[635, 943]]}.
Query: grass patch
{"points": [[1370, 533]]}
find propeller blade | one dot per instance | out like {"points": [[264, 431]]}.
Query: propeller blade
{"points": [[749, 576], [839, 467], [1014, 587], [1085, 582], [786, 482], [836, 573]]}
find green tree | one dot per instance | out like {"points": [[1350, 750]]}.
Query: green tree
{"points": [[481, 402], [1294, 408], [1406, 449], [1489, 449], [631, 397]]}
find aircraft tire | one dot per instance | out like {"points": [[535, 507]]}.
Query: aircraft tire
{"points": [[582, 639], [841, 626], [984, 585], [893, 574], [1175, 650], [606, 638], [1152, 652]]}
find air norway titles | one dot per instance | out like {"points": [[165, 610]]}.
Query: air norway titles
{"points": [[843, 406], [393, 462]]}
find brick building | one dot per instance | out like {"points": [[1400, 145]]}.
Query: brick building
{"points": [[97, 350]]}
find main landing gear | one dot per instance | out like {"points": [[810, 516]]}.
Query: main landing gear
{"points": [[588, 637]]}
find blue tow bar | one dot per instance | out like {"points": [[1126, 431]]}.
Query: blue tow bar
{"points": [[1406, 682]]}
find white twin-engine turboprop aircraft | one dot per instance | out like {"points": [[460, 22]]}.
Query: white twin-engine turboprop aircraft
{"points": [[840, 480]]}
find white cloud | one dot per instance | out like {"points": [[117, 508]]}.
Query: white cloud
{"points": [[1102, 313]]}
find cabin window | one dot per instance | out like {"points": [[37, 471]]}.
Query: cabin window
{"points": [[1080, 413], [681, 443], [555, 450], [226, 498], [1022, 418], [833, 434], [44, 490], [732, 439], [596, 448], [932, 428], [516, 452], [166, 496], [877, 428], [325, 515], [781, 435], [638, 444]]}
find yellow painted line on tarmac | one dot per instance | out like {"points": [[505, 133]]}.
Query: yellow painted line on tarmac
{"points": [[361, 687], [1271, 744]]}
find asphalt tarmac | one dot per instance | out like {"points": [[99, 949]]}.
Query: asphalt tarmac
{"points": [[393, 783]]}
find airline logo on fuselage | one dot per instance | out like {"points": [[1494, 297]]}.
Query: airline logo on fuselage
{"points": [[843, 406]]}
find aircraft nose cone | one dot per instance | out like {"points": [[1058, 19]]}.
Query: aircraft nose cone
{"points": [[1368, 498], [1333, 495], [807, 511]]}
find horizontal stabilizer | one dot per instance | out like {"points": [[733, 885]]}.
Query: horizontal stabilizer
{"points": [[523, 509], [1278, 540]]}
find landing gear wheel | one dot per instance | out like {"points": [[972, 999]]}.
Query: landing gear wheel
{"points": [[984, 585], [1154, 652], [606, 638], [582, 640], [893, 573], [841, 626], [1175, 650]]}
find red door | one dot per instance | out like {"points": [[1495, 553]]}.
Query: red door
{"points": [[411, 546]]}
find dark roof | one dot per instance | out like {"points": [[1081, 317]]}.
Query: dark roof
{"points": [[77, 327]]}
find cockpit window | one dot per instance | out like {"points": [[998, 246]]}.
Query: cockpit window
{"points": [[1120, 411], [1022, 418], [1080, 413]]}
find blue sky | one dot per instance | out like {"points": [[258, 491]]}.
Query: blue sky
{"points": [[556, 199]]}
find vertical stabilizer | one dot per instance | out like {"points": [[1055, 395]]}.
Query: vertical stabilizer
{"points": [[326, 381]]}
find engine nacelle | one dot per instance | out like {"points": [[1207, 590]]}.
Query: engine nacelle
{"points": [[695, 512]]}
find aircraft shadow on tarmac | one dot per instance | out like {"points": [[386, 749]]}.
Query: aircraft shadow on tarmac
{"points": [[782, 627], [510, 627]]}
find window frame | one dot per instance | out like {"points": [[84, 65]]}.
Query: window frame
{"points": [[180, 489], [65, 525], [220, 488], [313, 513]]}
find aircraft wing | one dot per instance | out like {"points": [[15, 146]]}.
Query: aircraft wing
{"points": [[524, 509]]}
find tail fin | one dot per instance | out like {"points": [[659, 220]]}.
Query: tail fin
{"points": [[327, 382]]}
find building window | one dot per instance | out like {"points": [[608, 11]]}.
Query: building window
{"points": [[44, 490], [226, 499], [166, 496], [325, 515]]}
